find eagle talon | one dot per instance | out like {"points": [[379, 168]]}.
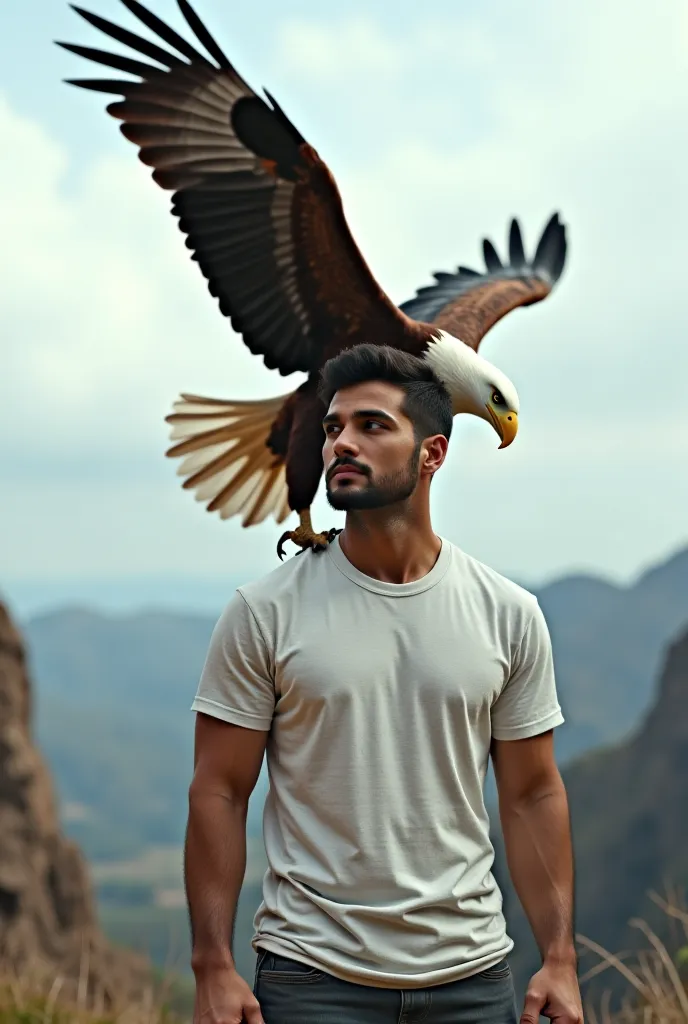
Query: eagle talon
{"points": [[306, 539], [280, 544]]}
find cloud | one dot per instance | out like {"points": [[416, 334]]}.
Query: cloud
{"points": [[105, 314], [105, 319], [334, 53]]}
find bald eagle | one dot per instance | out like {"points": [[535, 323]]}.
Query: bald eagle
{"points": [[263, 218]]}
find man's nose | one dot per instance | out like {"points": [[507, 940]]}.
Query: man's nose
{"points": [[345, 443]]}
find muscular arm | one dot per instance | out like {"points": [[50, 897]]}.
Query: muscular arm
{"points": [[533, 810], [227, 762]]}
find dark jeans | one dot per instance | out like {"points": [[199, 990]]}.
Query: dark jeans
{"points": [[290, 992]]}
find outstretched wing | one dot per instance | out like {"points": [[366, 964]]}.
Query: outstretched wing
{"points": [[228, 460], [260, 210], [467, 303]]}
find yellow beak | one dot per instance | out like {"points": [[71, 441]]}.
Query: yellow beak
{"points": [[505, 423]]}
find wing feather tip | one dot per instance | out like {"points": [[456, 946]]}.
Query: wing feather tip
{"points": [[253, 498], [551, 251]]}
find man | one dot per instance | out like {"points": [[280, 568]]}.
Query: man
{"points": [[379, 675]]}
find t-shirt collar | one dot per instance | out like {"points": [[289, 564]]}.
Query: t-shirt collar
{"points": [[430, 579]]}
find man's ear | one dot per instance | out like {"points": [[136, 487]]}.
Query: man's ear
{"points": [[435, 450]]}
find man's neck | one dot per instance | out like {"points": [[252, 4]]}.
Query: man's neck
{"points": [[390, 548]]}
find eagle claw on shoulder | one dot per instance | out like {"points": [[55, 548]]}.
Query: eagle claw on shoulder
{"points": [[306, 540]]}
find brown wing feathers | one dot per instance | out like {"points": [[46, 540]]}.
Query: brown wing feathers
{"points": [[468, 303], [261, 212], [234, 212]]}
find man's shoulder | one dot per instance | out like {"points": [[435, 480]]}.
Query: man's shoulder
{"points": [[285, 579], [505, 591]]}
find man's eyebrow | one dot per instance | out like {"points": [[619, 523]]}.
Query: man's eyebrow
{"points": [[376, 414], [379, 414]]}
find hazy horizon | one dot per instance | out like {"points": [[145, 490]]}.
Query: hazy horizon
{"points": [[204, 593]]}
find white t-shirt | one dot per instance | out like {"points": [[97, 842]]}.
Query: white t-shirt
{"points": [[381, 701]]}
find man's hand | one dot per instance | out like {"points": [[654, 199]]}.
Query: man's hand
{"points": [[223, 997], [553, 992]]}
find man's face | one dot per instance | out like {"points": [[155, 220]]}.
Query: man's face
{"points": [[370, 454]]}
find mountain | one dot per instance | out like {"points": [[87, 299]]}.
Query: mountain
{"points": [[630, 827], [609, 643], [114, 692], [168, 592], [48, 919]]}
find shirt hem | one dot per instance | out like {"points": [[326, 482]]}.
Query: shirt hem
{"points": [[522, 732], [380, 979], [211, 707]]}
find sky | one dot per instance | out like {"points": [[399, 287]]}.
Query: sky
{"points": [[440, 122]]}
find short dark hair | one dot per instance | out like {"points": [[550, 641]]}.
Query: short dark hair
{"points": [[427, 402]]}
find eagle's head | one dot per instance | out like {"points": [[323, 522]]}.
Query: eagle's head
{"points": [[475, 385]]}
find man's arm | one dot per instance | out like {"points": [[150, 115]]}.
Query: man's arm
{"points": [[226, 766], [235, 704], [534, 814]]}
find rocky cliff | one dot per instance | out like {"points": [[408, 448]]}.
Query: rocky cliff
{"points": [[629, 814], [48, 921]]}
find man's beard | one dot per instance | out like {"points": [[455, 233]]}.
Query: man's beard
{"points": [[391, 489]]}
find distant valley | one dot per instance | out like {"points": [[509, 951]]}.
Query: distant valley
{"points": [[114, 691]]}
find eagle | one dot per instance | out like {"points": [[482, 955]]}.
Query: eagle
{"points": [[263, 217]]}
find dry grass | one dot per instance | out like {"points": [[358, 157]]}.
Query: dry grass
{"points": [[657, 987], [657, 980], [36, 996]]}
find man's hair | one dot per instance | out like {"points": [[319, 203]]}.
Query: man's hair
{"points": [[427, 402]]}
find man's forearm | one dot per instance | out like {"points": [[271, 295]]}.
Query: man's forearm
{"points": [[537, 838], [214, 866]]}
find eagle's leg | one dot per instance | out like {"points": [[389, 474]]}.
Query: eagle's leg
{"points": [[305, 536]]}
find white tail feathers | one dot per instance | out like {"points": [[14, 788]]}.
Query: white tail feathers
{"points": [[227, 462]]}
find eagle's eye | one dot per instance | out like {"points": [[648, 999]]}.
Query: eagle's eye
{"points": [[498, 398]]}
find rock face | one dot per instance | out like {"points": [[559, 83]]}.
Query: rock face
{"points": [[630, 827], [47, 912]]}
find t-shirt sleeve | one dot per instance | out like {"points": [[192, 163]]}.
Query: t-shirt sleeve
{"points": [[237, 681], [528, 703]]}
